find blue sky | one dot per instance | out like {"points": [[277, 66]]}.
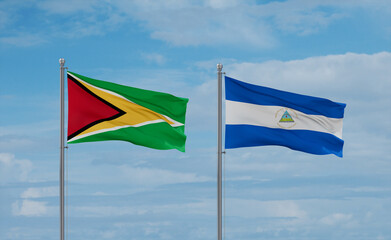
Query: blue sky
{"points": [[339, 50]]}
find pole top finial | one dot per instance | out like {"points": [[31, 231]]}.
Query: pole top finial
{"points": [[219, 67], [62, 61]]}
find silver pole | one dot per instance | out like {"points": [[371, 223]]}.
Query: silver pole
{"points": [[62, 62], [219, 152]]}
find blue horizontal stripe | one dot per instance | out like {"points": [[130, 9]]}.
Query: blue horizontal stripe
{"points": [[237, 136], [239, 91]]}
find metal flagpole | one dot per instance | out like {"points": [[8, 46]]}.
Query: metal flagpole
{"points": [[62, 147], [219, 152]]}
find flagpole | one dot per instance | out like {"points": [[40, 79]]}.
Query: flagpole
{"points": [[219, 152], [62, 147]]}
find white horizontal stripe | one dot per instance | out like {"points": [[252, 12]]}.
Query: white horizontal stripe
{"points": [[270, 116], [174, 123], [119, 127]]}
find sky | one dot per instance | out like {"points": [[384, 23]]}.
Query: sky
{"points": [[340, 50]]}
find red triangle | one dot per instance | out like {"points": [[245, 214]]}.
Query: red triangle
{"points": [[85, 109]]}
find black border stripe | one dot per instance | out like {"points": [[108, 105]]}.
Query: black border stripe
{"points": [[119, 114]]}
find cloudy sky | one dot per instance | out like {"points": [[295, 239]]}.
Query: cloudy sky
{"points": [[340, 50]]}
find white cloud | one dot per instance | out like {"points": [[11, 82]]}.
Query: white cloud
{"points": [[23, 40], [31, 128], [141, 170], [108, 234], [154, 177], [13, 142], [147, 228], [108, 211], [369, 189], [12, 169], [202, 113], [154, 58], [100, 194], [40, 192], [188, 23], [304, 19], [24, 136], [192, 23], [200, 207], [54, 19], [29, 208], [3, 19], [72, 6], [216, 22], [248, 208], [222, 3], [91, 25], [253, 166], [336, 218], [243, 208]]}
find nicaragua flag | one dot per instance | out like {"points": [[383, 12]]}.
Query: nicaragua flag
{"points": [[259, 116]]}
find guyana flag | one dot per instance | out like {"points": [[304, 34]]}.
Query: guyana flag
{"points": [[100, 111]]}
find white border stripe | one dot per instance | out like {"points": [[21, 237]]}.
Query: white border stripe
{"points": [[114, 128], [269, 116]]}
